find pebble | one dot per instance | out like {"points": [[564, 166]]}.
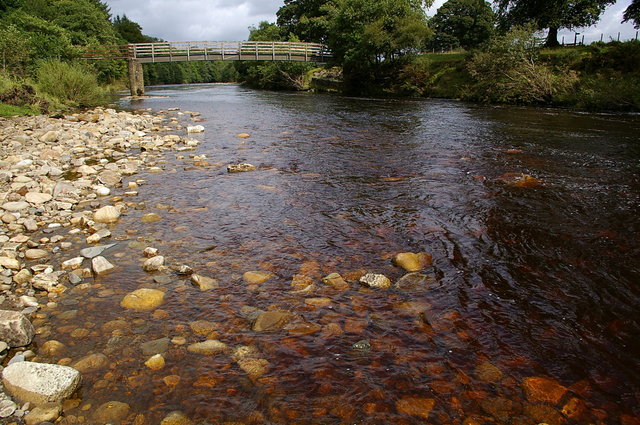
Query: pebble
{"points": [[377, 281], [106, 214], [240, 168]]}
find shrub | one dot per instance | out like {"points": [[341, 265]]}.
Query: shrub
{"points": [[509, 71], [72, 84]]}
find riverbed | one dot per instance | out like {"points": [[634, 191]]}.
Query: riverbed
{"points": [[527, 312]]}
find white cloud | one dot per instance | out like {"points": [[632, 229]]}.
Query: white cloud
{"points": [[197, 20], [220, 20]]}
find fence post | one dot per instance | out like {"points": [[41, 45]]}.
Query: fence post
{"points": [[618, 36], [563, 40], [273, 50], [582, 42], [601, 37]]}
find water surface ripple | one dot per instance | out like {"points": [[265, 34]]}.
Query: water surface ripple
{"points": [[538, 281]]}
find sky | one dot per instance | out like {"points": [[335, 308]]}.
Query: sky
{"points": [[229, 20]]}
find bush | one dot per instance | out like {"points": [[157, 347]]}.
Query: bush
{"points": [[509, 71], [72, 84]]}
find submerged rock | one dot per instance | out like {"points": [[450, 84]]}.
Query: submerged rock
{"points": [[204, 283], [412, 281], [255, 368], [256, 277], [271, 321], [143, 299], [412, 262], [378, 281], [415, 406], [176, 418], [240, 168], [208, 347], [155, 362], [111, 412], [336, 282], [91, 363], [545, 390], [48, 412], [157, 346]]}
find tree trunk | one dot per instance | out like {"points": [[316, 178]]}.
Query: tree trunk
{"points": [[552, 38]]}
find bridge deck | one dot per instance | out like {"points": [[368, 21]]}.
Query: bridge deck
{"points": [[213, 51]]}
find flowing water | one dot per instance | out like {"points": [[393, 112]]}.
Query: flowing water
{"points": [[531, 277]]}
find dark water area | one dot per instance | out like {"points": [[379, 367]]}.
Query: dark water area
{"points": [[531, 277]]}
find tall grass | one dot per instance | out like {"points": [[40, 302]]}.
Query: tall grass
{"points": [[72, 84]]}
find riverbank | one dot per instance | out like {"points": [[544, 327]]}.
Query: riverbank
{"points": [[61, 189]]}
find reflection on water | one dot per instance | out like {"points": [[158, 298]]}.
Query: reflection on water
{"points": [[529, 285]]}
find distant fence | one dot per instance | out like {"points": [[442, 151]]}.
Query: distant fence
{"points": [[578, 39]]}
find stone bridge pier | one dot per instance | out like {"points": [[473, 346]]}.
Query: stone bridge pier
{"points": [[136, 78]]}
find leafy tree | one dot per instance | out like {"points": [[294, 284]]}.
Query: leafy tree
{"points": [[465, 23], [45, 39], [7, 5], [552, 14], [307, 19], [633, 13], [265, 31], [131, 31], [370, 39], [15, 48]]}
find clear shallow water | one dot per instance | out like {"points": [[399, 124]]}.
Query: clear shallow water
{"points": [[537, 281]]}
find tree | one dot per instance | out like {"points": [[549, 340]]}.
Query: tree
{"points": [[465, 23], [131, 31], [551, 14], [633, 13], [370, 39], [307, 19]]}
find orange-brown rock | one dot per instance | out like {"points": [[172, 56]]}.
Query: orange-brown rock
{"points": [[412, 262], [545, 390], [574, 408], [415, 406]]}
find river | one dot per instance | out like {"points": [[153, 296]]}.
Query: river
{"points": [[534, 281]]}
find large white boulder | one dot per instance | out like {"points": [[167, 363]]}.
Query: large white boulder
{"points": [[40, 383]]}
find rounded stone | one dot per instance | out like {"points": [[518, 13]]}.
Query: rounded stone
{"points": [[377, 281], [143, 299], [107, 214], [256, 277], [208, 348], [412, 262], [111, 412]]}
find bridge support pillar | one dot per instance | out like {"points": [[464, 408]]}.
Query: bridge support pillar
{"points": [[136, 78]]}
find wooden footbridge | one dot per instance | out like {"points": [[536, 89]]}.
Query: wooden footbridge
{"points": [[140, 53]]}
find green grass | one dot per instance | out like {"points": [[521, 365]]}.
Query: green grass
{"points": [[435, 58], [12, 111]]}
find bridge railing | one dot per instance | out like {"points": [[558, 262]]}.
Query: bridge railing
{"points": [[212, 50]]}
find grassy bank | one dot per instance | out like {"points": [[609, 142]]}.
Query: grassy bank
{"points": [[53, 86], [13, 111], [596, 77]]}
